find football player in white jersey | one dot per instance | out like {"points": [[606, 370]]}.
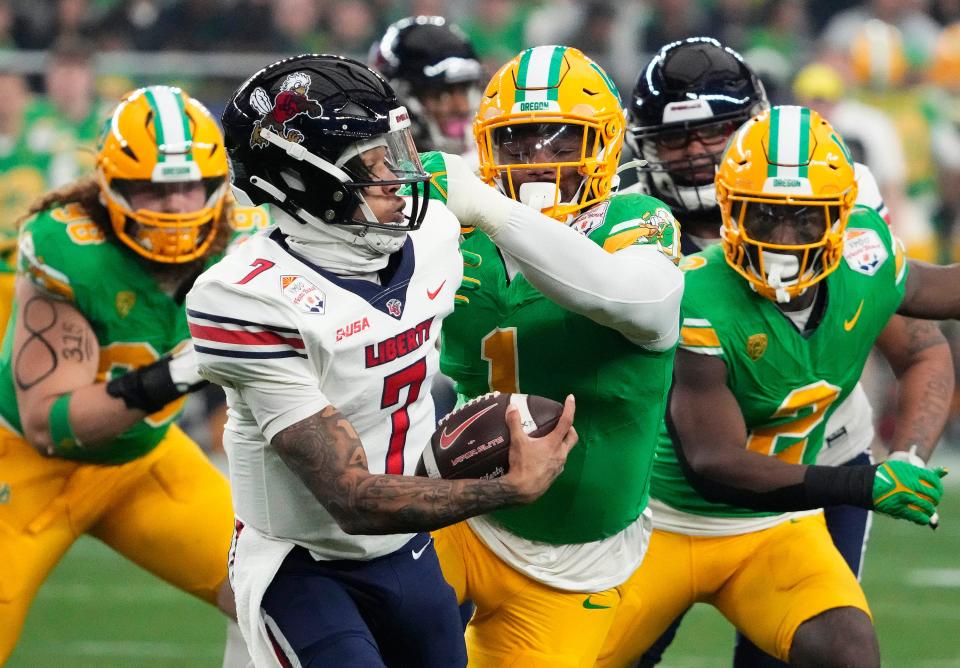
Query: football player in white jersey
{"points": [[686, 103], [324, 331]]}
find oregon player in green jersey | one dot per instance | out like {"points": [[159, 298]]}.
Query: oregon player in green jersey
{"points": [[778, 322], [97, 361], [588, 306]]}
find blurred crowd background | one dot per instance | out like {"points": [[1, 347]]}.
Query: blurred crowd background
{"points": [[886, 73]]}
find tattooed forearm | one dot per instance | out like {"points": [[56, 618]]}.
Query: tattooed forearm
{"points": [[76, 346], [926, 388], [326, 453], [37, 359]]}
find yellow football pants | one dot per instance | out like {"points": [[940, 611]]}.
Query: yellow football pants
{"points": [[767, 583], [519, 621], [169, 511]]}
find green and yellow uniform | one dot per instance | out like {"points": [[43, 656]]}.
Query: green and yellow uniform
{"points": [[748, 564], [561, 553], [150, 493]]}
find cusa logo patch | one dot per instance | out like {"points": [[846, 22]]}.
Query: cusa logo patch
{"points": [[354, 327]]}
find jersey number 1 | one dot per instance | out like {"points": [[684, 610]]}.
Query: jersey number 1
{"points": [[499, 350], [412, 377]]}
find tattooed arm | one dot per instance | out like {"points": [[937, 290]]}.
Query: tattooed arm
{"points": [[55, 351], [326, 453], [920, 357]]}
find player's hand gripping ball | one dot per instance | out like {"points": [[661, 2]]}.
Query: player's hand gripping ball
{"points": [[473, 441]]}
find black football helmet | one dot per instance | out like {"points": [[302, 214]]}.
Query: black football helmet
{"points": [[426, 56], [693, 88], [295, 132]]}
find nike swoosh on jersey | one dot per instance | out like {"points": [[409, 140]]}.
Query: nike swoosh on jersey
{"points": [[593, 606], [419, 553], [852, 322], [432, 294], [446, 440]]}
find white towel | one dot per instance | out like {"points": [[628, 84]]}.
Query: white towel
{"points": [[255, 561]]}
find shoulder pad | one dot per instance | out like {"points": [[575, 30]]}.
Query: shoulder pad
{"points": [[632, 219], [46, 253]]}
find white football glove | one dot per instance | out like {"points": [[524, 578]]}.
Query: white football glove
{"points": [[473, 202], [910, 456], [185, 369]]}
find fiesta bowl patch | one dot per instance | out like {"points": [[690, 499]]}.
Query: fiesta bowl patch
{"points": [[864, 251], [303, 294]]}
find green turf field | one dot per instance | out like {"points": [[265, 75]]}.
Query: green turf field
{"points": [[98, 610]]}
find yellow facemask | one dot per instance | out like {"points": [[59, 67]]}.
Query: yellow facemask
{"points": [[547, 96], [785, 187]]}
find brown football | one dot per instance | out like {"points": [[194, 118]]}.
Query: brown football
{"points": [[473, 441]]}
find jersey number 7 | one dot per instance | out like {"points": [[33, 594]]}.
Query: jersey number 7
{"points": [[412, 377]]}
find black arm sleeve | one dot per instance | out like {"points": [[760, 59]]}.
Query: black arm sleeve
{"points": [[821, 486]]}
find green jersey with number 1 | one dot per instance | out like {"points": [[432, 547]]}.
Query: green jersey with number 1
{"points": [[786, 383], [505, 335]]}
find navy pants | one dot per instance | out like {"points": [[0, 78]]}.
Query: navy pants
{"points": [[849, 527], [396, 610]]}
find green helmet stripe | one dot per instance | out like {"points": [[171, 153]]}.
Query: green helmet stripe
{"points": [[187, 134], [773, 142], [538, 74], [789, 142], [553, 77], [157, 124], [803, 156], [171, 124], [522, 70], [607, 80]]}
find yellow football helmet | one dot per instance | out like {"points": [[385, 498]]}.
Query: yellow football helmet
{"points": [[546, 93], [162, 169], [944, 69], [786, 187], [877, 55]]}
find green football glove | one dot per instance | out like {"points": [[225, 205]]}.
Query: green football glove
{"points": [[907, 492]]}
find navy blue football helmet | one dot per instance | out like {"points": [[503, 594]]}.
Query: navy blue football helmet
{"points": [[426, 57], [695, 89], [295, 133]]}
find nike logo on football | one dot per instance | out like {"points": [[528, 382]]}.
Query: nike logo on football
{"points": [[593, 606], [448, 439], [852, 322], [433, 294], [419, 553]]}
